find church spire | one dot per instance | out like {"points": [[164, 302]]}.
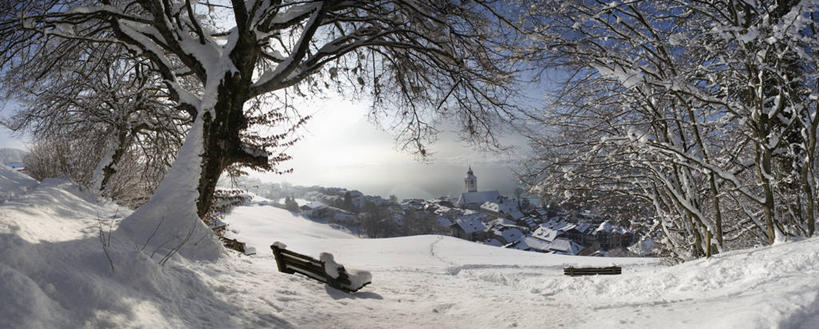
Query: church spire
{"points": [[470, 181]]}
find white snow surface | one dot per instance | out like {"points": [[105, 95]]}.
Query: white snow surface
{"points": [[54, 274], [13, 183], [357, 277], [330, 265]]}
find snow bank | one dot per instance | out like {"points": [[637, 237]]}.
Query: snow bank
{"points": [[434, 281], [13, 183], [54, 273]]}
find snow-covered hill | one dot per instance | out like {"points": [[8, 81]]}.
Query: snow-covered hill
{"points": [[10, 155], [54, 273]]}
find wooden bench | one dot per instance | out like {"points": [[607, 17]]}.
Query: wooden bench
{"points": [[292, 262], [578, 271]]}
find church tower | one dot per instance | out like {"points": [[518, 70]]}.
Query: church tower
{"points": [[470, 182]]}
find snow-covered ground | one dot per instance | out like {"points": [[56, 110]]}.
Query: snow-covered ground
{"points": [[300, 202], [54, 273]]}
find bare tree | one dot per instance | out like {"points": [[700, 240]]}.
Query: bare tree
{"points": [[695, 109], [423, 59], [103, 97]]}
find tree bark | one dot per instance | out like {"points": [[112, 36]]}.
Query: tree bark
{"points": [[763, 168], [123, 140], [223, 126]]}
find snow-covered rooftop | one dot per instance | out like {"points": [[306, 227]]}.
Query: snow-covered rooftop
{"points": [[532, 243], [546, 233], [470, 224], [477, 197], [503, 206], [565, 246]]}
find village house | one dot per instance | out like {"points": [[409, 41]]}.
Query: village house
{"points": [[609, 236], [505, 231], [469, 227], [557, 246], [319, 210], [502, 208]]}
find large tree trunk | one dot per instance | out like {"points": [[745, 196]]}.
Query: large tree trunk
{"points": [[168, 223], [170, 220], [763, 167], [106, 168], [222, 143], [123, 141]]}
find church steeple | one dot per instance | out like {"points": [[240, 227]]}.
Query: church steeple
{"points": [[470, 182]]}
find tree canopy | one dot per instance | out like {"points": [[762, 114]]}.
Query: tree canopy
{"points": [[418, 60]]}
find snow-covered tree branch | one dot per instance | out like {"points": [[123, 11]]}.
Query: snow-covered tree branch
{"points": [[424, 59], [699, 110]]}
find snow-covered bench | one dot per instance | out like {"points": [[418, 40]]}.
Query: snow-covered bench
{"points": [[324, 269], [577, 271]]}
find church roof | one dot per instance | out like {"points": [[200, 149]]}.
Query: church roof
{"points": [[477, 197]]}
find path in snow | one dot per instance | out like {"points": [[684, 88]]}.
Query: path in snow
{"points": [[436, 281], [53, 273]]}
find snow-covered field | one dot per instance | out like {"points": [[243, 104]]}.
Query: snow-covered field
{"points": [[54, 274]]}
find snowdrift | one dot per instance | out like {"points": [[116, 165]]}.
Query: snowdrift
{"points": [[54, 272]]}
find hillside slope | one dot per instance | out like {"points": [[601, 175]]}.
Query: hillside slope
{"points": [[54, 273], [436, 281], [9, 155]]}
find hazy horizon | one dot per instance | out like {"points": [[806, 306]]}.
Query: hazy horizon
{"points": [[341, 148], [444, 180]]}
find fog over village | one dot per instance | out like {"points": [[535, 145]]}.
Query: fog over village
{"points": [[409, 164], [340, 147]]}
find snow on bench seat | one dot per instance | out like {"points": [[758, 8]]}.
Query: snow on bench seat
{"points": [[325, 269]]}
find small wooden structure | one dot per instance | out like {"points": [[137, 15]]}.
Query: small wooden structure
{"points": [[238, 246], [292, 262], [233, 244], [578, 271]]}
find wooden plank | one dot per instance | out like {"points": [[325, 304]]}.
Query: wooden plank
{"points": [[291, 259], [297, 255], [307, 266], [592, 270], [577, 271], [574, 273], [308, 272]]}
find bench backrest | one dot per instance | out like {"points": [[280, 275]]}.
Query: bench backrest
{"points": [[291, 262]]}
